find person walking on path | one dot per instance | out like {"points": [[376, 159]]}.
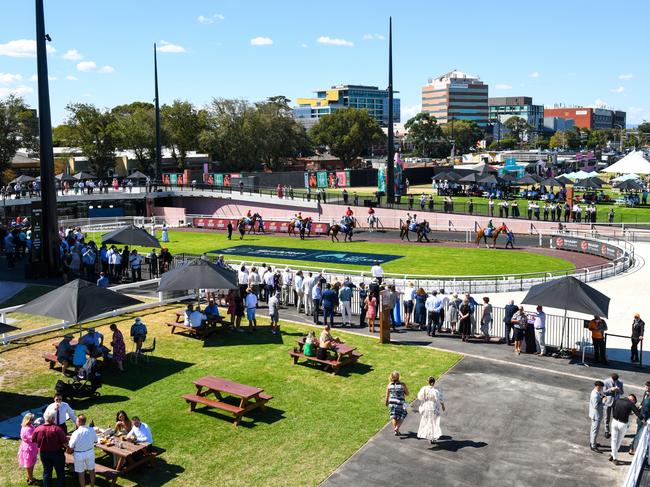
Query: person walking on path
{"points": [[598, 327], [645, 412], [638, 326], [51, 441], [621, 411], [28, 450], [431, 408], [613, 390], [595, 414], [540, 331], [486, 319], [465, 320], [395, 399]]}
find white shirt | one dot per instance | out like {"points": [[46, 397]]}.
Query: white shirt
{"points": [[65, 412], [287, 277], [377, 271], [251, 301], [243, 277], [195, 319], [141, 434], [254, 279], [299, 282], [83, 439], [430, 303], [409, 294], [268, 278], [540, 320]]}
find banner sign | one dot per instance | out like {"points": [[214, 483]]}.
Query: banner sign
{"points": [[37, 231], [381, 180], [585, 246], [331, 257], [321, 179], [273, 226], [327, 179]]}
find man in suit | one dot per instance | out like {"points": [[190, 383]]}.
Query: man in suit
{"points": [[596, 414], [613, 388], [508, 312]]}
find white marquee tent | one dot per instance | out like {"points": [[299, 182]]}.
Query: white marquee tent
{"points": [[634, 162]]}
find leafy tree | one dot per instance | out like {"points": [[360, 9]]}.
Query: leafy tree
{"points": [[181, 124], [466, 134], [518, 128], [557, 140], [94, 131], [136, 130], [572, 138], [508, 142], [425, 134], [348, 133], [16, 129]]}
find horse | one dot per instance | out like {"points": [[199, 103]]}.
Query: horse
{"points": [[482, 234], [302, 224], [422, 230], [336, 229], [373, 221], [250, 221], [405, 229]]}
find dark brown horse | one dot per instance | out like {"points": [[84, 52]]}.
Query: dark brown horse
{"points": [[336, 229]]}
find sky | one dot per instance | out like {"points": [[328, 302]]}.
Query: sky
{"points": [[575, 52]]}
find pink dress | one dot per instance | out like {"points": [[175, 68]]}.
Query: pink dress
{"points": [[28, 450], [371, 313]]}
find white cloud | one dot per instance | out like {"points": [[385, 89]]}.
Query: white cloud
{"points": [[91, 67], [503, 86], [408, 112], [534, 74], [72, 55], [52, 78], [600, 103], [71, 78], [15, 90], [261, 41], [202, 19], [620, 89], [334, 42], [637, 115], [304, 46], [22, 48], [373, 37], [8, 78], [87, 95], [169, 47], [33, 77], [625, 76]]}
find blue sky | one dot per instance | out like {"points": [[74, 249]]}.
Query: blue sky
{"points": [[571, 51]]}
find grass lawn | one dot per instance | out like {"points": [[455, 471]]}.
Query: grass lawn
{"points": [[313, 424], [430, 259]]}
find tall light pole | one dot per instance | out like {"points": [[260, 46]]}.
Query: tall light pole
{"points": [[158, 137], [390, 169], [49, 252]]}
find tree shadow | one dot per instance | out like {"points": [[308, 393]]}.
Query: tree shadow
{"points": [[14, 403], [102, 399], [261, 336], [144, 373], [5, 328]]}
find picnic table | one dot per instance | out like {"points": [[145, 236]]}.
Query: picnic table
{"points": [[249, 397], [208, 326], [343, 355], [53, 361]]}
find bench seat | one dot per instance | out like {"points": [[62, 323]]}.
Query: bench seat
{"points": [[201, 332], [109, 473], [193, 399]]}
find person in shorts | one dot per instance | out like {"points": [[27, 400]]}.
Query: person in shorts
{"points": [[82, 443], [251, 306]]}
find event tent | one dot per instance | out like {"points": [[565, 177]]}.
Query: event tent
{"points": [[625, 177], [634, 162]]}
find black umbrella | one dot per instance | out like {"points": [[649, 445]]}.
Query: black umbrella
{"points": [[23, 179], [441, 176], [137, 175], [77, 301], [563, 179], [84, 175], [569, 294], [553, 182], [590, 183], [629, 185], [526, 180], [131, 235], [471, 178], [491, 179], [64, 177], [198, 274]]}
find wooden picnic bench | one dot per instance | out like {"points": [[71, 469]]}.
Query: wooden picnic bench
{"points": [[53, 361], [249, 397], [204, 331], [344, 355], [107, 472]]}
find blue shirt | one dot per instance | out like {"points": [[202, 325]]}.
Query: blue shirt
{"points": [[329, 295], [316, 292], [102, 282], [211, 310], [345, 294]]}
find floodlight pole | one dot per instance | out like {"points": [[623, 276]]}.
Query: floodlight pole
{"points": [[157, 104], [390, 168]]}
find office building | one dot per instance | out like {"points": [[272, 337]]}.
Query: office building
{"points": [[589, 118], [503, 107], [340, 97], [458, 96]]}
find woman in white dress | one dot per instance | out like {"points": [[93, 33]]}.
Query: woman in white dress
{"points": [[431, 407], [165, 233]]}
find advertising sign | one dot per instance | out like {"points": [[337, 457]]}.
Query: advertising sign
{"points": [[321, 179], [586, 246], [173, 179], [37, 232], [381, 180]]}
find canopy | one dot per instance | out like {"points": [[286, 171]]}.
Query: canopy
{"points": [[137, 175], [553, 182], [198, 274], [84, 175], [491, 179], [131, 235], [629, 185], [570, 294], [625, 177], [471, 178], [64, 177], [581, 175], [591, 183], [564, 179], [23, 179], [634, 162], [77, 301], [446, 176], [526, 180]]}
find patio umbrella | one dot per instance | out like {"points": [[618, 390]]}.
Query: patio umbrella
{"points": [[64, 177], [537, 178], [590, 183], [553, 182], [629, 185], [131, 235], [526, 180], [77, 301], [563, 179], [569, 294], [23, 179], [84, 175], [198, 274], [491, 179], [137, 175], [470, 178]]}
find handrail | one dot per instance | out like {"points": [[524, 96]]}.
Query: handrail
{"points": [[636, 466]]}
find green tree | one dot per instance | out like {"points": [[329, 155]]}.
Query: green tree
{"points": [[425, 134], [466, 134], [181, 124], [518, 128], [94, 132], [347, 133], [572, 138], [16, 129], [508, 142], [557, 140], [136, 130]]}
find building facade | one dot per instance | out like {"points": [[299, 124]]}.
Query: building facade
{"points": [[503, 107], [458, 96], [589, 118], [341, 97]]}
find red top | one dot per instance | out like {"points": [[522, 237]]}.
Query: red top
{"points": [[49, 437], [371, 210], [348, 212]]}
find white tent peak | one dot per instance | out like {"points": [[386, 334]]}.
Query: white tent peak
{"points": [[634, 162]]}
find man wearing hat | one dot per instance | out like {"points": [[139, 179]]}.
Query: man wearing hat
{"points": [[139, 334], [94, 342], [65, 351]]}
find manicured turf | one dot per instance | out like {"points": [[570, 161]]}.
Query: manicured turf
{"points": [[313, 424], [429, 259]]}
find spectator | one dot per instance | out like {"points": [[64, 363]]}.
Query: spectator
{"points": [[420, 312], [51, 441], [274, 312], [193, 317], [508, 312], [102, 281], [465, 319], [316, 295], [65, 352], [396, 393], [363, 294], [82, 443], [598, 327], [118, 346], [430, 305], [486, 319], [431, 408], [638, 326], [138, 334], [621, 411], [540, 331], [370, 305], [251, 307], [345, 299], [300, 292], [61, 412], [328, 296], [377, 272], [140, 433], [613, 390], [519, 323], [645, 413], [135, 262], [28, 450]]}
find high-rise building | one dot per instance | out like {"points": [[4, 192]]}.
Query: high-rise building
{"points": [[340, 97], [589, 118], [458, 96], [504, 107]]}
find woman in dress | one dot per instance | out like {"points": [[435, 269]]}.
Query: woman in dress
{"points": [[396, 393], [453, 312], [165, 233], [28, 450], [431, 406], [465, 320], [371, 311], [420, 309], [122, 423], [119, 348]]}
